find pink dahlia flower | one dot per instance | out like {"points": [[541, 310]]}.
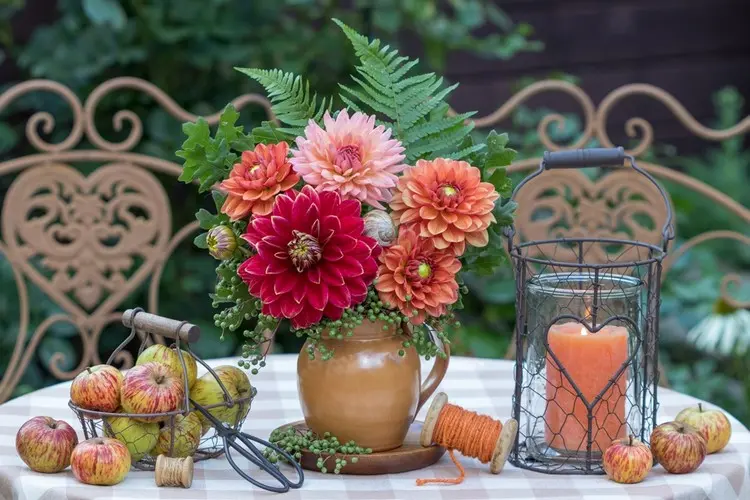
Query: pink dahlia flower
{"points": [[313, 258], [351, 156]]}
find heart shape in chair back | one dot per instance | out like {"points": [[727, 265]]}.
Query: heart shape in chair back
{"points": [[87, 242]]}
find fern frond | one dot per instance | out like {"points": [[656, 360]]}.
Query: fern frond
{"points": [[291, 99], [410, 103], [439, 142], [466, 152], [433, 127]]}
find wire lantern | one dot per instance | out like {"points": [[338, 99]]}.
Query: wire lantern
{"points": [[587, 324], [99, 424]]}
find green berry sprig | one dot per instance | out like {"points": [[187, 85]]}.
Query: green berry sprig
{"points": [[254, 346], [294, 441]]}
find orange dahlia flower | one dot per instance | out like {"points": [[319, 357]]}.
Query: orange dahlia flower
{"points": [[446, 201], [417, 278], [252, 184]]}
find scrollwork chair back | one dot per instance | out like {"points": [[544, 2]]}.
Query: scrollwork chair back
{"points": [[87, 242], [567, 202]]}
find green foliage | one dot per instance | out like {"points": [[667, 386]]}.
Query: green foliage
{"points": [[208, 160], [293, 104], [293, 440], [403, 102], [492, 163]]}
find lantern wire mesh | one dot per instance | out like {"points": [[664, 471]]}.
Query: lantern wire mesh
{"points": [[601, 287], [97, 423]]}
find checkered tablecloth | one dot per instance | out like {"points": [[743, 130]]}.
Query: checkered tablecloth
{"points": [[481, 385]]}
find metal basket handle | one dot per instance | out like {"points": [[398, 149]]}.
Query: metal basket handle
{"points": [[581, 158]]}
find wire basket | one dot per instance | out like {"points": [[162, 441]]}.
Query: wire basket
{"points": [[136, 431], [586, 337]]}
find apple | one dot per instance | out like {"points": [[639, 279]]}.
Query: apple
{"points": [[97, 388], [151, 388], [139, 437], [207, 392], [159, 353], [713, 425], [45, 444], [187, 436], [241, 382], [678, 447], [100, 461], [627, 461]]}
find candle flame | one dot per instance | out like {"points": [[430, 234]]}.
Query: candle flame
{"points": [[584, 331]]}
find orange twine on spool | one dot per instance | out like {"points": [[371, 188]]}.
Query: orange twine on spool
{"points": [[474, 435]]}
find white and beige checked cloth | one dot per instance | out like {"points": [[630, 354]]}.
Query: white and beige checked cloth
{"points": [[477, 384]]}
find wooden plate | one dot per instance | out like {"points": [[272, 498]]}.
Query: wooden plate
{"points": [[410, 456]]}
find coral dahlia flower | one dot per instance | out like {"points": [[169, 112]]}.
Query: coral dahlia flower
{"points": [[446, 201], [417, 278], [312, 260], [351, 156], [252, 184]]}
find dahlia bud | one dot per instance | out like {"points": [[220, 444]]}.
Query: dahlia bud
{"points": [[221, 242], [380, 227]]}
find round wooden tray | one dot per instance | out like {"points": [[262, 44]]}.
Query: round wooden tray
{"points": [[410, 456]]}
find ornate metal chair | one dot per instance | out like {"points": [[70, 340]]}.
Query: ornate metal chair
{"points": [[621, 203], [87, 242]]}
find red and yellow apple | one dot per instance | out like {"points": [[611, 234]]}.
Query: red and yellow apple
{"points": [[159, 353], [97, 388], [139, 437], [678, 447], [187, 436], [45, 444], [627, 461], [100, 461], [151, 388], [713, 425], [207, 392]]}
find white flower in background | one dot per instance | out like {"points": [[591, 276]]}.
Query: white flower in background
{"points": [[725, 332]]}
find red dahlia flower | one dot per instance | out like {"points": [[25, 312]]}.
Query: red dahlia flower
{"points": [[313, 259]]}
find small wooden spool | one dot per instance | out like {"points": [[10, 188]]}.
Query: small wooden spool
{"points": [[174, 471], [504, 441]]}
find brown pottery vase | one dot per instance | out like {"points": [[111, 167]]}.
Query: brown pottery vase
{"points": [[366, 392]]}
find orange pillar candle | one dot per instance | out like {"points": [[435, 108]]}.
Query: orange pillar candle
{"points": [[591, 360]]}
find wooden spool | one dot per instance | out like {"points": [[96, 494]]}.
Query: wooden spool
{"points": [[502, 447], [174, 471]]}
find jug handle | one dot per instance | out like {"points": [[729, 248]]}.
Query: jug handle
{"points": [[436, 375]]}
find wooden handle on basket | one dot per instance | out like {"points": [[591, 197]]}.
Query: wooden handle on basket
{"points": [[159, 325]]}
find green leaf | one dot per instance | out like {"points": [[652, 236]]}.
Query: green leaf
{"points": [[200, 241], [501, 181], [414, 104], [218, 198], [504, 214], [497, 141], [208, 160], [268, 133], [291, 100], [499, 158], [206, 219], [105, 12]]}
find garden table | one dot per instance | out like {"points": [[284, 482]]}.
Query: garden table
{"points": [[479, 384]]}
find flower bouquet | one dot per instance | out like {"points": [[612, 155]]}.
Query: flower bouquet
{"points": [[352, 218]]}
